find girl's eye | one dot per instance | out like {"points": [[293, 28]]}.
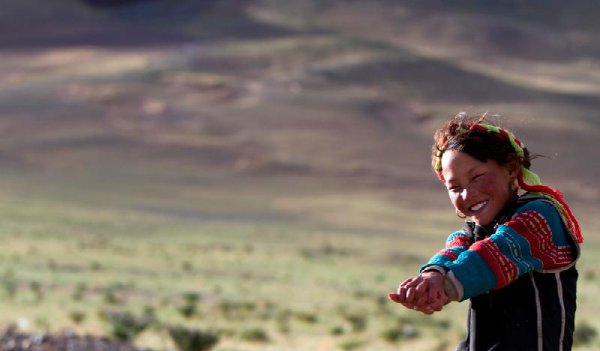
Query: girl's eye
{"points": [[475, 177], [454, 189]]}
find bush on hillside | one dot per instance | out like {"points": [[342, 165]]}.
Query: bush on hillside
{"points": [[187, 339], [126, 326], [584, 334]]}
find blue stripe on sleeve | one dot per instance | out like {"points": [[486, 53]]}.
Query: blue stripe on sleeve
{"points": [[473, 273]]}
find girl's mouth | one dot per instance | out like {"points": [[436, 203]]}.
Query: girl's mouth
{"points": [[478, 206]]}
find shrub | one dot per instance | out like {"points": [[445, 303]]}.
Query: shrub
{"points": [[191, 297], [361, 294], [357, 321], [226, 332], [391, 335], [77, 316], [584, 334], [187, 310], [283, 321], [112, 296], [237, 310], [9, 283], [37, 290], [79, 292], [187, 266], [217, 290], [95, 266], [254, 335], [382, 302], [341, 309], [124, 325], [337, 330], [307, 317], [443, 324], [266, 310], [150, 311], [590, 275], [193, 339], [351, 344]]}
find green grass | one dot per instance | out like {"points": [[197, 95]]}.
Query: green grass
{"points": [[91, 257], [292, 278]]}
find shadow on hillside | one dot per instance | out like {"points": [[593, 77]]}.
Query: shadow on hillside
{"points": [[136, 24], [442, 81]]}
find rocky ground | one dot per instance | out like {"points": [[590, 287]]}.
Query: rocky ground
{"points": [[13, 340]]}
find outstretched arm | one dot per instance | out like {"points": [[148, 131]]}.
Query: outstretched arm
{"points": [[535, 238]]}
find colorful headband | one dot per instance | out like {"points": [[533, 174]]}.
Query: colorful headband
{"points": [[528, 180]]}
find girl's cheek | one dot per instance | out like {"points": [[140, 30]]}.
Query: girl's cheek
{"points": [[455, 199], [485, 185], [489, 188]]}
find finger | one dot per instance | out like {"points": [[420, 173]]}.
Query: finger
{"points": [[402, 293], [411, 294], [406, 291], [403, 287], [394, 297], [422, 287], [400, 298], [407, 283]]}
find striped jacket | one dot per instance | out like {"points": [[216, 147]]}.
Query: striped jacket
{"points": [[520, 275]]}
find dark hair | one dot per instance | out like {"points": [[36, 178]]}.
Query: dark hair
{"points": [[481, 145]]}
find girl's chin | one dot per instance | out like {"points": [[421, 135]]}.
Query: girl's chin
{"points": [[482, 220]]}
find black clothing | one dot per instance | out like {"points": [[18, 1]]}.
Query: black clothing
{"points": [[534, 313]]}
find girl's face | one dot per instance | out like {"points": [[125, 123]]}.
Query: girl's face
{"points": [[479, 190]]}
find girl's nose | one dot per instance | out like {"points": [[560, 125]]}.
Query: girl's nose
{"points": [[465, 194]]}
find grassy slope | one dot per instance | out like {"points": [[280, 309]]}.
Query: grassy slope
{"points": [[257, 168]]}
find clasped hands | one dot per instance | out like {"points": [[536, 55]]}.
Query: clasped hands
{"points": [[424, 292]]}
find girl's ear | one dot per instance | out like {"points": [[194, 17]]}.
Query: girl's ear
{"points": [[514, 168]]}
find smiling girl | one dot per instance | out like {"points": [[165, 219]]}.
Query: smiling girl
{"points": [[514, 258]]}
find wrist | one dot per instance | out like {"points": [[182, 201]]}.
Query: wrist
{"points": [[453, 288], [434, 269]]}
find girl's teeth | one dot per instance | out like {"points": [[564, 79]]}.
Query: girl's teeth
{"points": [[478, 206]]}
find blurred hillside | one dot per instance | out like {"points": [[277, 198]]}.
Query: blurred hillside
{"points": [[249, 150], [311, 88]]}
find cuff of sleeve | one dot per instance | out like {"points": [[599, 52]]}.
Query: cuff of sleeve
{"points": [[473, 274], [435, 268], [453, 287]]}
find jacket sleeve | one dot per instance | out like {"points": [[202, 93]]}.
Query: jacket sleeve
{"points": [[535, 238], [457, 243]]}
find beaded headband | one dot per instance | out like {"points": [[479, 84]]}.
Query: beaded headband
{"points": [[528, 180]]}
